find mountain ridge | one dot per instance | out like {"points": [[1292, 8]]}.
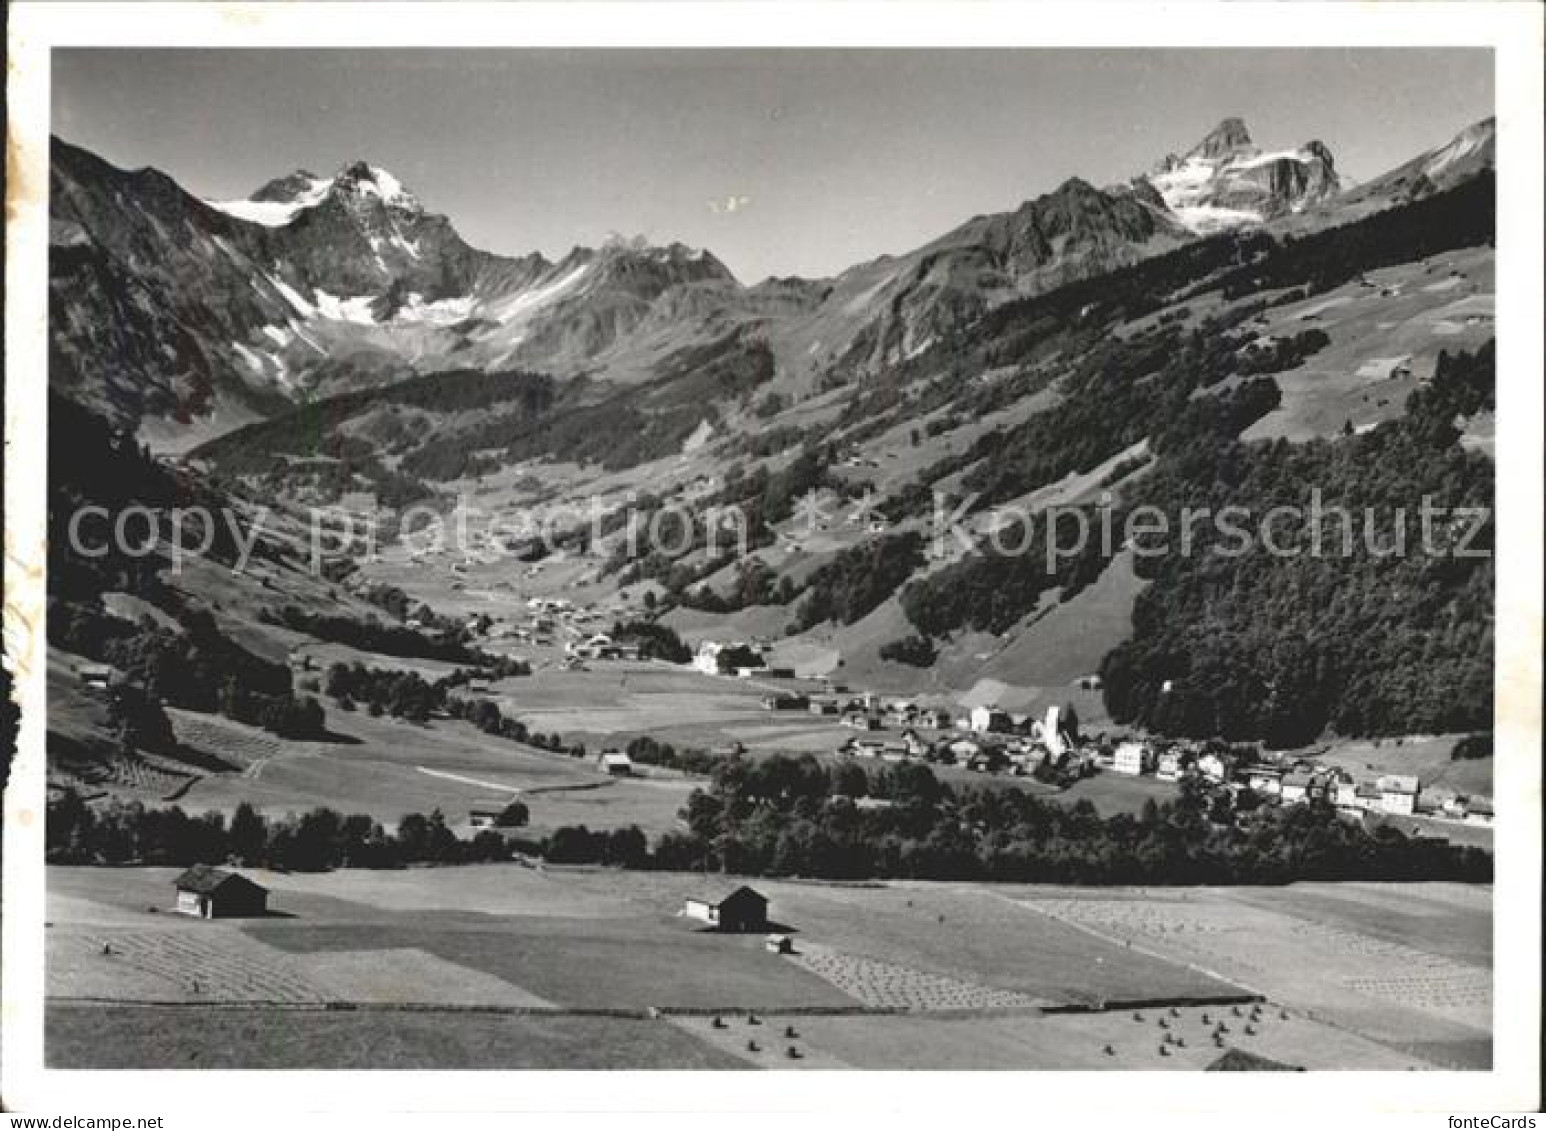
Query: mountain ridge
{"points": [[206, 314]]}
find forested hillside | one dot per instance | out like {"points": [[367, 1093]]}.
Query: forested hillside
{"points": [[1359, 626]]}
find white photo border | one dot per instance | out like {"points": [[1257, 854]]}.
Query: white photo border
{"points": [[1513, 32]]}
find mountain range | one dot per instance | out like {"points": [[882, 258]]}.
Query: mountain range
{"points": [[1224, 331], [186, 318]]}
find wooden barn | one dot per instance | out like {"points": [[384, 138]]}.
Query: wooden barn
{"points": [[214, 893], [740, 910], [615, 763]]}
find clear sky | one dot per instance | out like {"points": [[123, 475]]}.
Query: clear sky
{"points": [[779, 161]]}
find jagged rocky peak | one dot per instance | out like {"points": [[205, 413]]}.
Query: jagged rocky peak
{"points": [[635, 258], [1228, 139], [1226, 181]]}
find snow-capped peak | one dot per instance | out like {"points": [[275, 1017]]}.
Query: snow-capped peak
{"points": [[363, 180], [278, 202]]}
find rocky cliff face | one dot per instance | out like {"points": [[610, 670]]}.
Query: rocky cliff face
{"points": [[1225, 181], [174, 308], [1074, 232]]}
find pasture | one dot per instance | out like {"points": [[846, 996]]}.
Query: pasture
{"points": [[1118, 793], [1426, 756], [387, 767]]}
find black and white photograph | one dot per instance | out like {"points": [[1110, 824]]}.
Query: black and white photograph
{"points": [[868, 554]]}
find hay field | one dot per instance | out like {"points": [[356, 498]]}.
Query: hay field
{"points": [[130, 1037], [628, 699], [1426, 994], [898, 975], [963, 932], [1063, 1042], [619, 963]]}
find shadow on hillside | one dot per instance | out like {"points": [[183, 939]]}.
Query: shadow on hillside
{"points": [[337, 738], [771, 927]]}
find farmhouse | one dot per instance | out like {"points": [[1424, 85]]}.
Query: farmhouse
{"points": [[935, 718], [214, 893], [863, 747], [989, 761], [482, 818], [964, 749], [615, 763], [1169, 766], [740, 910], [1212, 767], [987, 720], [1398, 794], [1296, 787], [1479, 811], [1346, 795], [707, 658], [1265, 780], [97, 677], [860, 720], [1130, 758], [786, 702]]}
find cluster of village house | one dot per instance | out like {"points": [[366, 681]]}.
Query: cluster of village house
{"points": [[547, 621], [987, 739]]}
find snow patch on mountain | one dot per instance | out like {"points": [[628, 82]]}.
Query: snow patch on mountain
{"points": [[380, 183], [355, 309], [254, 362], [1209, 219], [292, 296], [274, 213], [442, 312]]}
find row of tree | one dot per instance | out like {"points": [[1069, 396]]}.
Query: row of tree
{"points": [[401, 641], [798, 817], [130, 833], [194, 666], [794, 816]]}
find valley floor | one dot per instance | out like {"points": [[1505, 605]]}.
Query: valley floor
{"points": [[514, 967]]}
